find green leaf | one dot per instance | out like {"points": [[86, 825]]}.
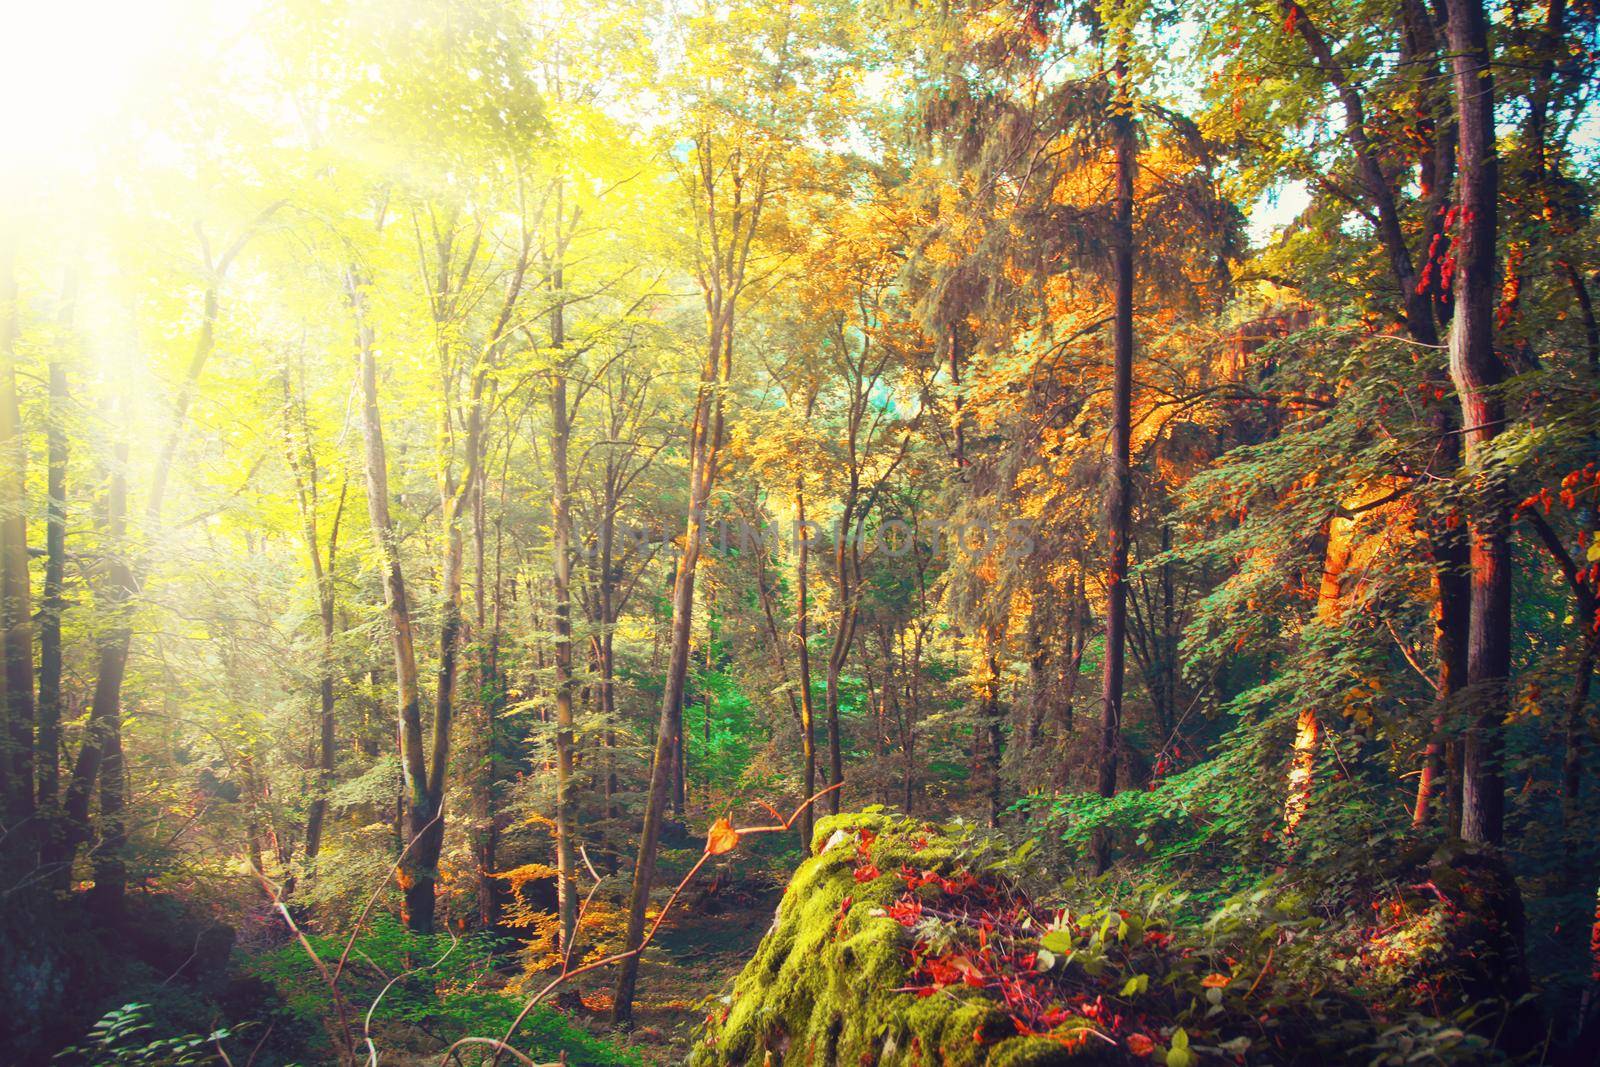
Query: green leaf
{"points": [[1057, 941]]}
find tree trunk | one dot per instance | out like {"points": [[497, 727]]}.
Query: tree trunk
{"points": [[728, 254], [52, 603], [802, 632], [845, 551], [1478, 372], [16, 619], [914, 705], [561, 570], [1118, 503], [607, 648], [889, 715], [303, 465], [416, 873], [101, 750], [705, 445], [110, 867], [102, 735], [325, 720]]}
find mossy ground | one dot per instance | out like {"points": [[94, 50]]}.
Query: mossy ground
{"points": [[830, 981]]}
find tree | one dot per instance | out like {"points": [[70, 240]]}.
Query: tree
{"points": [[1477, 372]]}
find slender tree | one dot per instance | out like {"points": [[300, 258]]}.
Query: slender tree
{"points": [[1120, 479], [1478, 372]]}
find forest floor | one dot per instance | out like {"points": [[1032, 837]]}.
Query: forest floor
{"points": [[695, 955]]}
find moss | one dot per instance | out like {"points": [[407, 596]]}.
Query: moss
{"points": [[826, 985], [1033, 1052]]}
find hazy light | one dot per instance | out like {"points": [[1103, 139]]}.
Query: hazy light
{"points": [[65, 70]]}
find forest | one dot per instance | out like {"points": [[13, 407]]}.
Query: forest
{"points": [[800, 532]]}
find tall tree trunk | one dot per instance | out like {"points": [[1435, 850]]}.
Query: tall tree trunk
{"points": [[100, 755], [1421, 49], [1591, 325], [1171, 630], [770, 614], [491, 702], [844, 558], [914, 705], [16, 619], [705, 446], [317, 813], [421, 895], [830, 704], [802, 633], [608, 618], [561, 570], [732, 234], [680, 761], [303, 465], [889, 716], [416, 873], [846, 566], [1477, 372], [1118, 502], [52, 602], [110, 865]]}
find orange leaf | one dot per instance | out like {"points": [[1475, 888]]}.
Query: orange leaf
{"points": [[1140, 1045], [722, 837], [1215, 981]]}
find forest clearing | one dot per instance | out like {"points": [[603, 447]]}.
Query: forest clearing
{"points": [[800, 532]]}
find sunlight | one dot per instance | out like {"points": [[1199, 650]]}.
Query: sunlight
{"points": [[67, 70]]}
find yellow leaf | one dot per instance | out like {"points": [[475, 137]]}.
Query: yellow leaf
{"points": [[722, 837]]}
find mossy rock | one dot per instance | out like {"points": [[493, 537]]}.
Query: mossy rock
{"points": [[827, 984]]}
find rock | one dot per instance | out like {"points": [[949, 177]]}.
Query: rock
{"points": [[827, 984]]}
